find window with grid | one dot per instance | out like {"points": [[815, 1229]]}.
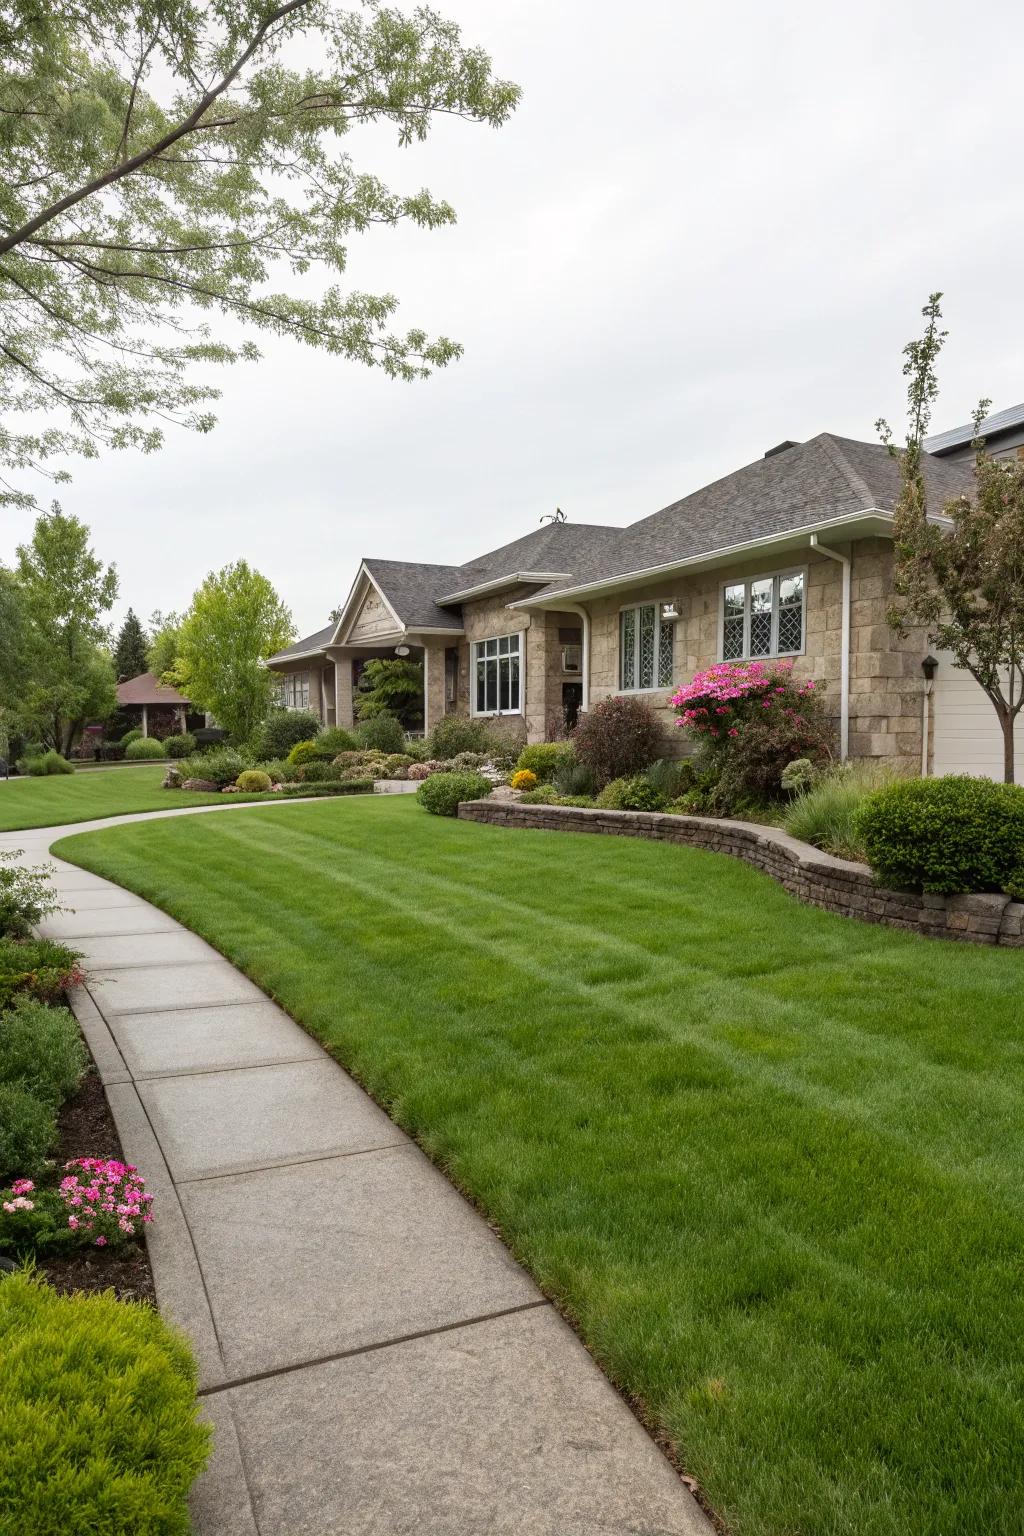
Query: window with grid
{"points": [[763, 617], [497, 676], [645, 648], [293, 690]]}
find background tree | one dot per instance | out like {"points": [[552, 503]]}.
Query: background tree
{"points": [[963, 581], [235, 622], [130, 648], [159, 159], [164, 631], [65, 590], [15, 655], [391, 686]]}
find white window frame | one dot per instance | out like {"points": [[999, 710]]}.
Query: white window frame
{"points": [[657, 605], [751, 581], [519, 637], [287, 691]]}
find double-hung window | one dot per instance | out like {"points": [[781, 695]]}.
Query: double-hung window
{"points": [[293, 691], [763, 617], [645, 648], [497, 676]]}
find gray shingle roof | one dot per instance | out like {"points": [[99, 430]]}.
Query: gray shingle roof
{"points": [[413, 590], [309, 643], [826, 477]]}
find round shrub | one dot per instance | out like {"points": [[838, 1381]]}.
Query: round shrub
{"points": [[544, 758], [143, 748], [524, 778], [181, 745], [336, 739], [135, 734], [28, 1129], [945, 835], [99, 1396], [254, 781], [454, 734], [303, 752], [384, 733], [636, 793], [618, 737], [544, 794], [442, 793], [283, 728]]}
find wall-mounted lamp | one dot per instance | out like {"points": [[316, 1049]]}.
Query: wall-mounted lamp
{"points": [[669, 611], [401, 650], [929, 667]]}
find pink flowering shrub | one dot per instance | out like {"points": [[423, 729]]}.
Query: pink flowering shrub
{"points": [[750, 719], [106, 1200]]}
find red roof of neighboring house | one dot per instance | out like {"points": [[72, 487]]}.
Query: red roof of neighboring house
{"points": [[147, 689]]}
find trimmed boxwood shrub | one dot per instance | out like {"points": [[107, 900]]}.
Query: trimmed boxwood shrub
{"points": [[442, 793], [180, 745], [335, 787], [135, 734], [283, 728], [98, 1402], [254, 781], [618, 737], [384, 733], [303, 752], [144, 747], [946, 835], [41, 1050]]}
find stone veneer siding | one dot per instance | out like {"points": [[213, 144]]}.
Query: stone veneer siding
{"points": [[836, 885], [886, 683]]}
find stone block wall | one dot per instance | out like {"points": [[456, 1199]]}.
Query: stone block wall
{"points": [[835, 885]]}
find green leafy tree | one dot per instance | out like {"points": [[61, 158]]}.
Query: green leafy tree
{"points": [[164, 632], [235, 622], [130, 648], [391, 686], [66, 590], [16, 647], [961, 579], [159, 159]]}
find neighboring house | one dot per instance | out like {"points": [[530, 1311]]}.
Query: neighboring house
{"points": [[158, 709], [790, 556]]}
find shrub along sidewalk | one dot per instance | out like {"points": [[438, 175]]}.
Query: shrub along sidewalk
{"points": [[767, 1160]]}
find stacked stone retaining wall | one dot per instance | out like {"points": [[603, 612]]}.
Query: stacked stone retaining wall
{"points": [[836, 885]]}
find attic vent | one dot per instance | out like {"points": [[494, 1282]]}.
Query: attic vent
{"points": [[781, 448]]}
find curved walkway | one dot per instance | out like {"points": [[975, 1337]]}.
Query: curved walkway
{"points": [[373, 1360]]}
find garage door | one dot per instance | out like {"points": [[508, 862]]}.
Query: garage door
{"points": [[967, 737]]}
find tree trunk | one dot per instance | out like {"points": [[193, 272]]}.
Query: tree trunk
{"points": [[1007, 720]]}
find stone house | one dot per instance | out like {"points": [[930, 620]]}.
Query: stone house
{"points": [[790, 556]]}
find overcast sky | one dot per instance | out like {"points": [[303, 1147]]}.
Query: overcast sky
{"points": [[706, 229]]}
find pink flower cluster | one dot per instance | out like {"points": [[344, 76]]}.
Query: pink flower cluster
{"points": [[105, 1198], [19, 1189], [708, 704]]}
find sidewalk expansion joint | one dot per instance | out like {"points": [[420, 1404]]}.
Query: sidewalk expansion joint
{"points": [[293, 1162]]}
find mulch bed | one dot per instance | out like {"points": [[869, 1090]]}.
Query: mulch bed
{"points": [[86, 1129]]}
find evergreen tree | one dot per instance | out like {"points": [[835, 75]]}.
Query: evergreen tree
{"points": [[131, 647]]}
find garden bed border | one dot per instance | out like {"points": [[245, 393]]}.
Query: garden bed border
{"points": [[835, 885]]}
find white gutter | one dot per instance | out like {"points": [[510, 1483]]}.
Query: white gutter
{"points": [[844, 651], [585, 678], [789, 537]]}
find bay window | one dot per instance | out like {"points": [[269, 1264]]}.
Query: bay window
{"points": [[763, 617], [497, 675], [646, 642]]}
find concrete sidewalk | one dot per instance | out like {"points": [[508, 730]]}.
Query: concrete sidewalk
{"points": [[373, 1360]]}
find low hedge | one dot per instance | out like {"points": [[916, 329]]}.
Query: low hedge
{"points": [[338, 787], [946, 835], [443, 793], [41, 1050], [99, 1415]]}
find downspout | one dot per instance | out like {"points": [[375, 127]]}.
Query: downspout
{"points": [[844, 647], [925, 712], [585, 616]]}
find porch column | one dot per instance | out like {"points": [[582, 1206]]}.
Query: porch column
{"points": [[145, 720], [433, 684], [536, 672], [343, 711]]}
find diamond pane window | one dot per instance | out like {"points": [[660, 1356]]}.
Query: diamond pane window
{"points": [[791, 613], [627, 627], [496, 673], [734, 602], [666, 634], [764, 617], [646, 667]]}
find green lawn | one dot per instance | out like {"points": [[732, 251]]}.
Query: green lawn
{"points": [[769, 1161], [93, 792]]}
